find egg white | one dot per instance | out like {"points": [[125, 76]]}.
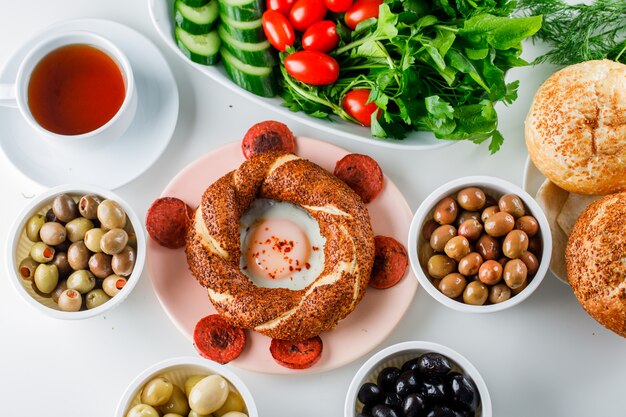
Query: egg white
{"points": [[264, 209]]}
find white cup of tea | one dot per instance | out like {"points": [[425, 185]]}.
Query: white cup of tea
{"points": [[74, 86]]}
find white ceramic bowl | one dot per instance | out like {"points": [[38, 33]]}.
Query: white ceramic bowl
{"points": [[396, 355], [18, 246], [178, 370], [496, 187]]}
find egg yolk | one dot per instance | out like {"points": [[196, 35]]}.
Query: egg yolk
{"points": [[277, 248]]}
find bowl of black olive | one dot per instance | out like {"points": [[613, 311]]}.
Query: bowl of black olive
{"points": [[417, 379], [76, 251]]}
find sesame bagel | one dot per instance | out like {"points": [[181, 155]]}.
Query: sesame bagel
{"points": [[213, 247], [596, 261]]}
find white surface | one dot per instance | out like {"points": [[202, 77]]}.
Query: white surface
{"points": [[544, 357]]}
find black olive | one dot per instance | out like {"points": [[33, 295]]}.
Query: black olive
{"points": [[382, 410], [370, 393], [413, 405], [410, 365], [387, 379], [363, 415], [393, 400], [366, 411], [434, 389], [407, 383], [433, 364], [443, 411], [51, 217], [463, 391]]}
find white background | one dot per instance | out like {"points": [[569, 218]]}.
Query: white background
{"points": [[545, 357]]}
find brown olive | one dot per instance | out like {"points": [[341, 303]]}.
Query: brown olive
{"points": [[52, 233], [490, 272], [63, 246], [77, 228], [471, 198], [470, 264], [503, 260], [531, 262], [425, 252], [70, 300], [515, 244], [440, 265], [88, 206], [488, 247], [471, 229], [63, 265], [114, 241], [515, 273], [499, 293], [428, 229], [440, 237], [475, 293], [78, 255], [518, 290], [452, 285], [113, 284], [61, 286], [535, 245], [488, 212], [111, 215], [527, 224], [490, 200], [100, 265], [64, 208], [446, 211], [499, 224], [124, 262], [457, 247], [50, 217], [27, 268], [467, 215], [512, 204]]}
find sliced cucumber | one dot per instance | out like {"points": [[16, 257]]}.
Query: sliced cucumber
{"points": [[203, 49], [251, 31], [258, 80], [242, 10], [260, 54], [195, 3], [196, 20]]}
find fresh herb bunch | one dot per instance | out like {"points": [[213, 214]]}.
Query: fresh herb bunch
{"points": [[580, 32], [436, 66]]}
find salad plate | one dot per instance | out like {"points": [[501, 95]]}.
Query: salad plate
{"points": [[161, 12], [185, 301], [111, 164]]}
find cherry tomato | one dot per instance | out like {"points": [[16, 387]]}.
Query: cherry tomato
{"points": [[321, 36], [338, 6], [281, 6], [278, 30], [355, 103], [312, 67], [360, 11], [306, 12]]}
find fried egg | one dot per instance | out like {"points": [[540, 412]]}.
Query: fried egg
{"points": [[281, 245]]}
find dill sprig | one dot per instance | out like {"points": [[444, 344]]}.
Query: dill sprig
{"points": [[580, 32]]}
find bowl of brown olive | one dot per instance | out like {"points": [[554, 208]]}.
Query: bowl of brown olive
{"points": [[418, 379], [479, 244], [76, 251]]}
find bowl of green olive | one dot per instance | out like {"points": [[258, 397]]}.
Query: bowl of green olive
{"points": [[76, 251], [479, 244], [187, 386]]}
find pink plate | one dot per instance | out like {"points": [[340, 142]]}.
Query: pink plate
{"points": [[185, 301]]}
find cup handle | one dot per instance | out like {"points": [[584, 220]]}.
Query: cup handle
{"points": [[7, 95]]}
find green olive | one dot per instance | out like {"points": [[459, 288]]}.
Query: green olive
{"points": [[92, 239], [78, 256], [61, 286], [209, 394], [46, 277], [114, 241], [27, 268], [194, 414], [95, 298], [33, 286], [33, 225], [142, 410], [100, 265], [111, 215], [64, 208], [82, 281], [157, 391], [235, 414], [41, 252], [70, 300], [52, 233], [172, 415], [77, 228], [191, 382], [124, 262], [113, 284], [177, 404], [88, 206], [234, 402]]}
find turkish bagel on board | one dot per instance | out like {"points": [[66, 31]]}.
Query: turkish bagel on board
{"points": [[213, 247]]}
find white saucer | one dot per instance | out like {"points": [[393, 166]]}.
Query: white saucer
{"points": [[109, 165]]}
